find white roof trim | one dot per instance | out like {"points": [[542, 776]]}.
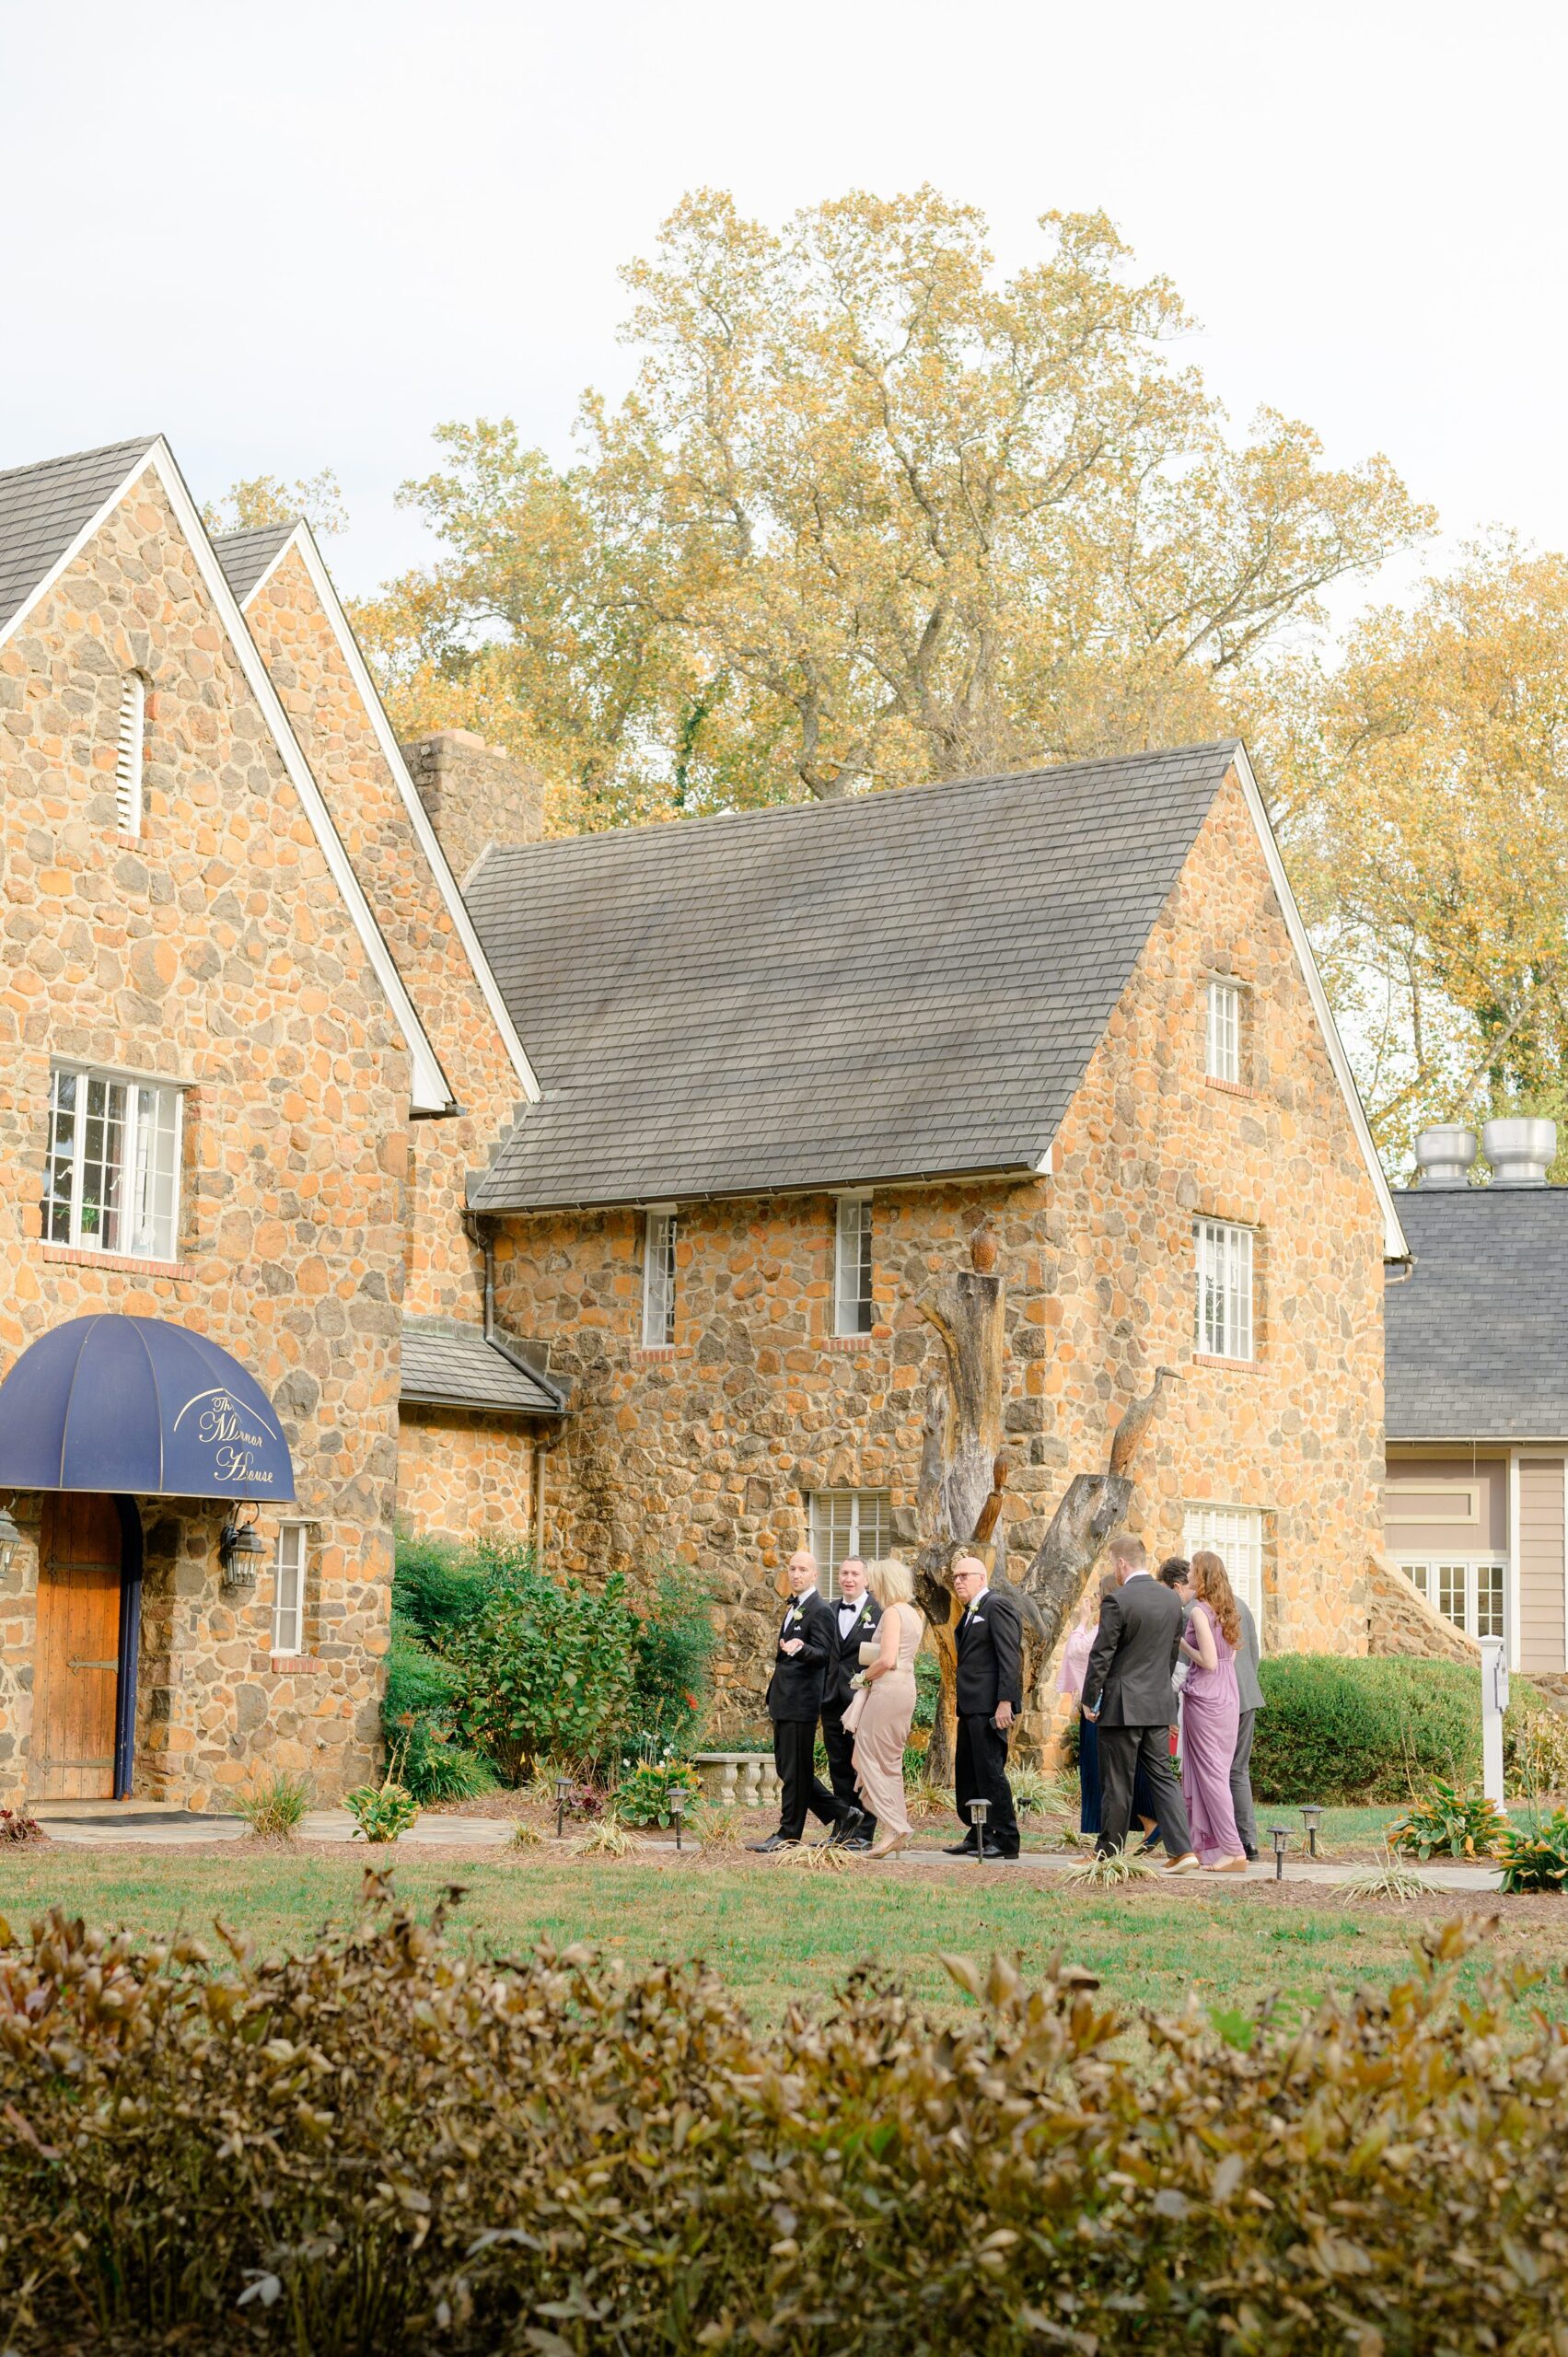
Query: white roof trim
{"points": [[430, 1093], [260, 582], [1394, 1245], [303, 539]]}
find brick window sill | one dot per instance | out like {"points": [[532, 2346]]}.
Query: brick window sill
{"points": [[1236, 1366], [653, 1352], [851, 1341], [78, 1256], [1228, 1087], [291, 1664]]}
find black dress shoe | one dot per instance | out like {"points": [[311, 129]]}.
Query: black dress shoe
{"points": [[851, 1832], [960, 1849], [856, 1841], [775, 1841], [1251, 1857]]}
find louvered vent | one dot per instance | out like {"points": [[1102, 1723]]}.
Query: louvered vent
{"points": [[128, 761]]}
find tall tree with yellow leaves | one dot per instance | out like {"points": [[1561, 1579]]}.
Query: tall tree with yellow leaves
{"points": [[869, 515]]}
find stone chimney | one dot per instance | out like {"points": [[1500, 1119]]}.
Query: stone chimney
{"points": [[476, 795]]}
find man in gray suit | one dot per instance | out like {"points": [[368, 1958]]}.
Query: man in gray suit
{"points": [[1128, 1695], [1249, 1693]]}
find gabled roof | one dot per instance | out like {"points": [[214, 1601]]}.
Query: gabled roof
{"points": [[448, 1365], [1476, 1338], [47, 510], [44, 527], [249, 559], [900, 986]]}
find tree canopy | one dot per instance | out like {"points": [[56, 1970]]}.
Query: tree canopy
{"points": [[870, 514]]}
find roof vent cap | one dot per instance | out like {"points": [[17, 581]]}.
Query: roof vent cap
{"points": [[1520, 1152], [1444, 1155]]}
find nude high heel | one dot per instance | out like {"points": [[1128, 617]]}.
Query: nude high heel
{"points": [[884, 1847]]}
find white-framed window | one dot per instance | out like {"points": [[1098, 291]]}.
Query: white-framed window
{"points": [[129, 753], [658, 1278], [1223, 1060], [1235, 1534], [852, 1265], [1224, 1268], [288, 1589], [1468, 1590], [112, 1182], [849, 1522]]}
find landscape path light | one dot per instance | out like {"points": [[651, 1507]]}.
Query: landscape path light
{"points": [[676, 1810], [563, 1786], [1281, 1834], [1311, 1817], [979, 1812]]}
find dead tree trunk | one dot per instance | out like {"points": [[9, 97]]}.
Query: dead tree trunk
{"points": [[963, 1473]]}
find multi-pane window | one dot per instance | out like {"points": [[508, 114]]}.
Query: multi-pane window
{"points": [[1467, 1590], [852, 1266], [1235, 1534], [658, 1278], [112, 1183], [289, 1592], [849, 1522], [129, 752], [1224, 1256], [1224, 1061]]}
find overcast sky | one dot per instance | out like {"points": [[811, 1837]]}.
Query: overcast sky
{"points": [[299, 234]]}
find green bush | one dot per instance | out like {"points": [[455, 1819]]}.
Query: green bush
{"points": [[1535, 1857], [672, 1655], [1343, 1730], [389, 2146], [419, 1715], [546, 1666], [643, 1795], [436, 1588], [382, 1811]]}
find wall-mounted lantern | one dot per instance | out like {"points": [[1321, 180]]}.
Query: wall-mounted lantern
{"points": [[10, 1540], [241, 1548]]}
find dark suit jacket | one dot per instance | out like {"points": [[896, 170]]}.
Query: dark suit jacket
{"points": [[991, 1657], [837, 1698], [1248, 1687], [799, 1679], [1133, 1655]]}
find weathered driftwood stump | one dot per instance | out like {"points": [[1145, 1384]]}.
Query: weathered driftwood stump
{"points": [[963, 1475]]}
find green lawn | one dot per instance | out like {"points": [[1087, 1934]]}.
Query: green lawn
{"points": [[775, 1933]]}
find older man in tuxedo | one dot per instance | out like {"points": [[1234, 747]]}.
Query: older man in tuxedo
{"points": [[856, 1613], [807, 1655], [1128, 1697], [990, 1638]]}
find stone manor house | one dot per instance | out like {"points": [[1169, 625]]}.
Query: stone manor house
{"points": [[364, 1156]]}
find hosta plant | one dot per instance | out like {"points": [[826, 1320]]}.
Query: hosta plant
{"points": [[1465, 1824], [382, 1811], [1537, 1858], [645, 1794]]}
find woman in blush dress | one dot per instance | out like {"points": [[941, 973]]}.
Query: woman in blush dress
{"points": [[1210, 1711], [1070, 1680], [882, 1712]]}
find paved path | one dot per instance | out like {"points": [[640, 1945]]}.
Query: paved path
{"points": [[152, 1826]]}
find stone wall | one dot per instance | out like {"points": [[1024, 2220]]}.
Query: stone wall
{"points": [[213, 950], [476, 795], [465, 1477], [307, 667], [707, 1450]]}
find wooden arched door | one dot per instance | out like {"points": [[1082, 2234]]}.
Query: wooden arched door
{"points": [[76, 1660]]}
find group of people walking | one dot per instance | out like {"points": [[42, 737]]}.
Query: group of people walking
{"points": [[1141, 1639], [848, 1665]]}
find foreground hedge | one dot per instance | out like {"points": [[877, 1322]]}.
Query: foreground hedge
{"points": [[385, 2146], [1340, 1729]]}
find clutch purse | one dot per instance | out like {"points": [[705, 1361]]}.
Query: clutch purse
{"points": [[868, 1651]]}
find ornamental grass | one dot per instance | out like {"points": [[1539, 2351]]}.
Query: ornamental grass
{"points": [[388, 2143]]}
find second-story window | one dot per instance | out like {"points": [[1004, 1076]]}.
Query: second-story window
{"points": [[112, 1183], [658, 1278], [129, 753], [1223, 1060], [1224, 1255], [852, 1266]]}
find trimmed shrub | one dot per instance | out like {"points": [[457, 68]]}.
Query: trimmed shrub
{"points": [[672, 1655], [389, 2145], [1345, 1730], [547, 1667]]}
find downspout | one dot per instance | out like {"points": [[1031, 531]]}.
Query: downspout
{"points": [[482, 1233]]}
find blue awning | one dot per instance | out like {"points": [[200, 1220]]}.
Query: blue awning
{"points": [[143, 1407]]}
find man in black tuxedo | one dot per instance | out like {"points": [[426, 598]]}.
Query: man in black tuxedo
{"points": [[807, 1656], [1128, 1695], [990, 1695], [857, 1614]]}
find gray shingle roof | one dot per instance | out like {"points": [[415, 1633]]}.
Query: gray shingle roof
{"points": [[1477, 1339], [896, 986], [43, 507], [448, 1365], [244, 556]]}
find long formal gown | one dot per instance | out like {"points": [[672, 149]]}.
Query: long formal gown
{"points": [[1210, 1711], [884, 1728], [1070, 1680]]}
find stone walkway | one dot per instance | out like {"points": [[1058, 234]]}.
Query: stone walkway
{"points": [[143, 1826]]}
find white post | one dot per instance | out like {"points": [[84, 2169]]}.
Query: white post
{"points": [[1493, 1703]]}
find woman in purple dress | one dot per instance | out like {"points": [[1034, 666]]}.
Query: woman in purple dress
{"points": [[1209, 1710]]}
